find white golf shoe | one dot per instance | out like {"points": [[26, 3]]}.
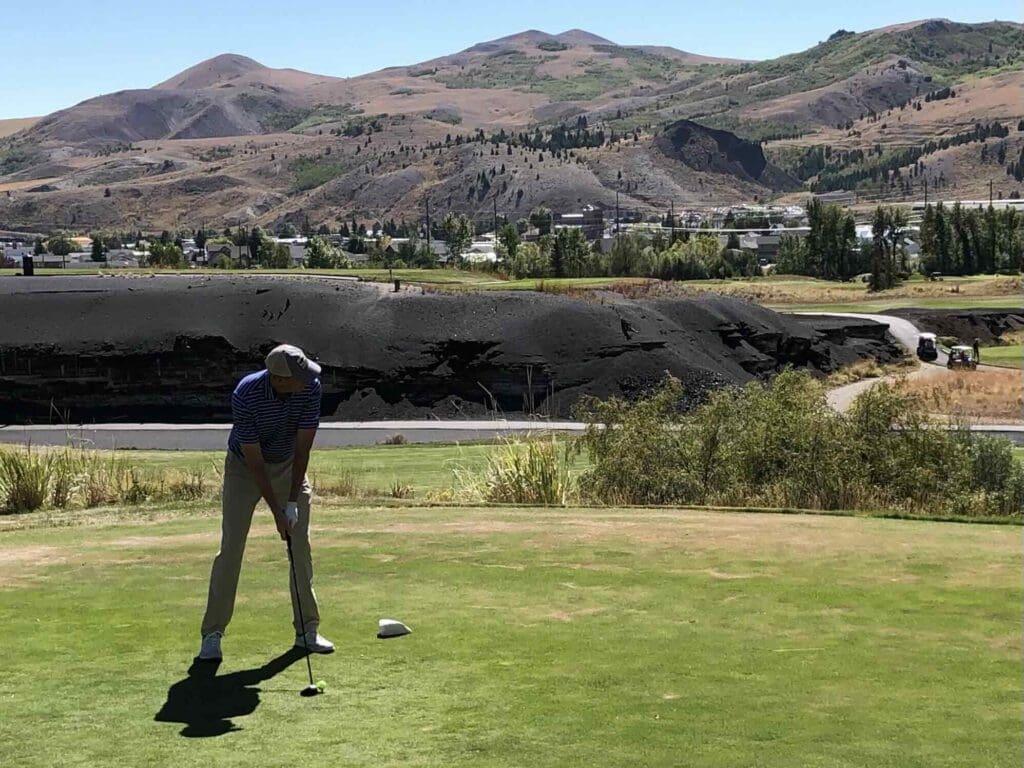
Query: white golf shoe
{"points": [[210, 649], [316, 643]]}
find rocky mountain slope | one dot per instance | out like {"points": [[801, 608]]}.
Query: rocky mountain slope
{"points": [[232, 141]]}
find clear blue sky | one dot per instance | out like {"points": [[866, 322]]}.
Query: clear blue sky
{"points": [[55, 53]]}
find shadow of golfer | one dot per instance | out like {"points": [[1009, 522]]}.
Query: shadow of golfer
{"points": [[206, 703]]}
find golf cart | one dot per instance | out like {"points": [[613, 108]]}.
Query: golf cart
{"points": [[927, 348], [961, 358]]}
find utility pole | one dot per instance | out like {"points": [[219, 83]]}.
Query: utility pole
{"points": [[991, 229], [672, 221], [429, 249], [495, 216], [616, 213]]}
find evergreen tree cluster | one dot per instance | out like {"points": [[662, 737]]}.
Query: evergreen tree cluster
{"points": [[967, 241], [834, 171]]}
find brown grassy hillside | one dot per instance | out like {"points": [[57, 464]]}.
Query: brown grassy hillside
{"points": [[230, 140]]}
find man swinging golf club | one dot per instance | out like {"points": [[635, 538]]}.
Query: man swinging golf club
{"points": [[275, 414]]}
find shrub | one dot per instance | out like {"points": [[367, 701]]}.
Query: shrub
{"points": [[780, 445]]}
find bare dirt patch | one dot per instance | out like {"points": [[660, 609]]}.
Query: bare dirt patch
{"points": [[147, 542], [568, 616], [22, 563], [14, 186], [759, 536]]}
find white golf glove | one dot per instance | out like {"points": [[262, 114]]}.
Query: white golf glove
{"points": [[291, 513]]}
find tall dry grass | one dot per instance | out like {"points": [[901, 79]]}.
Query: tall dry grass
{"points": [[981, 394], [869, 369], [34, 478], [797, 291], [522, 471]]}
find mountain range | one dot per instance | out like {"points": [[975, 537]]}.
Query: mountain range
{"points": [[562, 120]]}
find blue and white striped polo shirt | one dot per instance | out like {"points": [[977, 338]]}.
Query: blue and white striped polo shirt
{"points": [[261, 416]]}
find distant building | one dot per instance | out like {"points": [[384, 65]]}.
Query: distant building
{"points": [[481, 251], [124, 257], [839, 197], [590, 221], [768, 248]]}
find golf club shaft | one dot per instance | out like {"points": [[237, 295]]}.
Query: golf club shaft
{"points": [[298, 605]]}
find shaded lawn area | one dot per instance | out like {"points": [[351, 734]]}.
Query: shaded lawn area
{"points": [[545, 637]]}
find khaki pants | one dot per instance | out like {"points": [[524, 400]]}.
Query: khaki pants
{"points": [[241, 496]]}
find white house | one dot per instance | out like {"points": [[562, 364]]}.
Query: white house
{"points": [[124, 257], [481, 251]]}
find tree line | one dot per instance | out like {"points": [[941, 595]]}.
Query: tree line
{"points": [[846, 169], [967, 241]]}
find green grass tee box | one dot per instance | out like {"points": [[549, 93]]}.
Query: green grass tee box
{"points": [[541, 637]]}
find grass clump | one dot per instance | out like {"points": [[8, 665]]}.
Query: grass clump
{"points": [[24, 479], [342, 486], [70, 478], [523, 471]]}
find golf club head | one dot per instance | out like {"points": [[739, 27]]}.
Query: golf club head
{"points": [[387, 628], [310, 690]]}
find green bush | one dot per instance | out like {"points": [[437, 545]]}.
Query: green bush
{"points": [[781, 445]]}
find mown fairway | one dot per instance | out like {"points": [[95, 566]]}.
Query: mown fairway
{"points": [[541, 637]]}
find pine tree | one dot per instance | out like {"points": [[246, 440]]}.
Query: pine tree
{"points": [[879, 279]]}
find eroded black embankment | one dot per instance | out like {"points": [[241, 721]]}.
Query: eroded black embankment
{"points": [[986, 325], [171, 348]]}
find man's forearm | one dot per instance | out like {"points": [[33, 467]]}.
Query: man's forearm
{"points": [[259, 472], [299, 465]]}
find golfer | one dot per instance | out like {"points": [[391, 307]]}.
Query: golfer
{"points": [[276, 413]]}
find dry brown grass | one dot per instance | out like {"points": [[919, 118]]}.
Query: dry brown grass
{"points": [[14, 124], [869, 369], [981, 394], [14, 186], [806, 291]]}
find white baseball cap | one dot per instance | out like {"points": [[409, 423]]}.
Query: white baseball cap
{"points": [[289, 362]]}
